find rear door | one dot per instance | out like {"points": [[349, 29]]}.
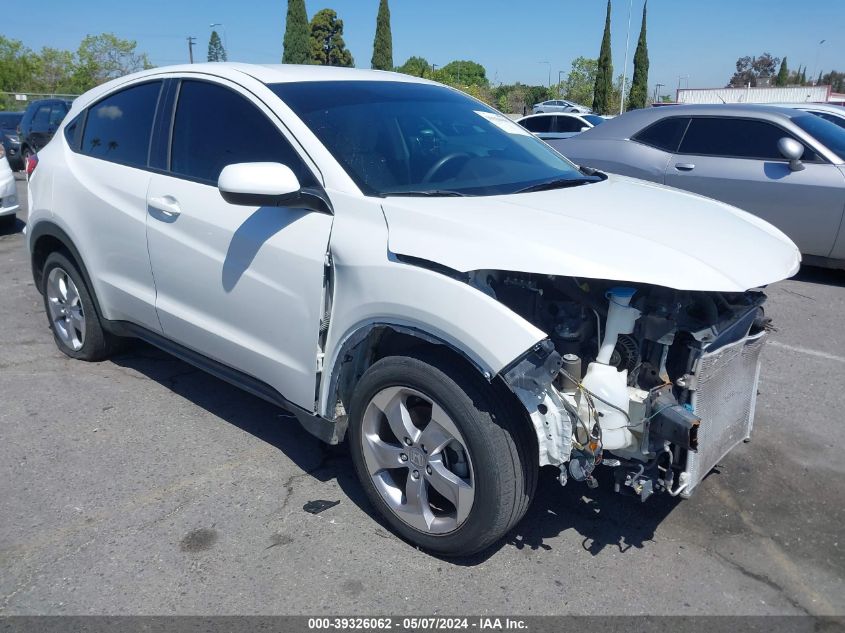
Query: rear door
{"points": [[241, 285], [104, 191], [737, 161]]}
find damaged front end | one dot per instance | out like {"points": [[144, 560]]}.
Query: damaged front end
{"points": [[657, 383]]}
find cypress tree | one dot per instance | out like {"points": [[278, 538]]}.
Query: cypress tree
{"points": [[604, 74], [639, 85], [297, 40], [803, 79], [783, 74], [383, 43], [216, 52]]}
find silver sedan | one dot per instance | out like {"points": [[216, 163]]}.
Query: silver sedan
{"points": [[559, 105], [783, 165]]}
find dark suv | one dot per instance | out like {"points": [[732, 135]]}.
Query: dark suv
{"points": [[9, 122], [40, 122]]}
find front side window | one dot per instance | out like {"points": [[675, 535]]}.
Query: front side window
{"points": [[57, 113], [734, 138], [665, 134], [568, 124], [407, 138], [215, 127], [595, 119], [119, 127]]}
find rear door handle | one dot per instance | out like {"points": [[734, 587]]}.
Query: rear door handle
{"points": [[166, 205], [684, 166]]}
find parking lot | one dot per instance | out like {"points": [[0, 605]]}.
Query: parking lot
{"points": [[143, 486]]}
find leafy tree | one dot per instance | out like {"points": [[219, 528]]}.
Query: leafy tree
{"points": [[383, 43], [749, 70], [835, 79], [52, 71], [416, 66], [581, 80], [783, 74], [819, 80], [216, 52], [104, 57], [464, 73], [16, 62], [327, 45], [638, 96], [604, 72], [297, 46], [803, 79]]}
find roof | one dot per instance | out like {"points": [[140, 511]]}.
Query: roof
{"points": [[624, 125]]}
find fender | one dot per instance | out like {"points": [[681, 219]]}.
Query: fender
{"points": [[47, 228]]}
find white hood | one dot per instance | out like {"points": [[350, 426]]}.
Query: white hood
{"points": [[620, 229]]}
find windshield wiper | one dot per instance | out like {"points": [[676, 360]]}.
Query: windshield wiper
{"points": [[559, 183], [438, 193]]}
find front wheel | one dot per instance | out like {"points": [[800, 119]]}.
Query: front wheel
{"points": [[445, 458]]}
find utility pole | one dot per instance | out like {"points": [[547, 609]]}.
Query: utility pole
{"points": [[191, 42], [657, 88], [625, 67], [550, 72]]}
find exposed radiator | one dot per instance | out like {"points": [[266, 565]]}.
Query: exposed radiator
{"points": [[724, 399]]}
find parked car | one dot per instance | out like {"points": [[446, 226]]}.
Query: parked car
{"points": [[833, 113], [559, 105], [8, 193], [560, 125], [783, 165], [9, 138], [40, 121], [400, 265]]}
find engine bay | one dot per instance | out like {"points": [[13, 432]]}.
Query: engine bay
{"points": [[624, 362]]}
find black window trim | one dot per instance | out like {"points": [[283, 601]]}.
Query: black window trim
{"points": [[253, 99], [83, 118], [786, 132]]}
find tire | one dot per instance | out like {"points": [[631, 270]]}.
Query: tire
{"points": [[499, 461], [8, 221], [71, 313]]}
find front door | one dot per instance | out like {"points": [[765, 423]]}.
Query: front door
{"points": [[241, 285], [738, 162]]}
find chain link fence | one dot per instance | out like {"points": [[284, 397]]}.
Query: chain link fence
{"points": [[18, 101]]}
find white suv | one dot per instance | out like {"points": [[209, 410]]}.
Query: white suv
{"points": [[402, 266]]}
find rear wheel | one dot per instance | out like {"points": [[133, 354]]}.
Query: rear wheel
{"points": [[444, 458], [70, 309]]}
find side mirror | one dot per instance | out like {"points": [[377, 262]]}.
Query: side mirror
{"points": [[792, 150], [585, 128], [258, 184]]}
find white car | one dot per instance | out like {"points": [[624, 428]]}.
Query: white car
{"points": [[404, 267], [8, 193], [559, 105], [559, 125]]}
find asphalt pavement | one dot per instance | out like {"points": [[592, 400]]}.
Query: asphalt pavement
{"points": [[141, 485]]}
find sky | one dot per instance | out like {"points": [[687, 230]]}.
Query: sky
{"points": [[693, 43]]}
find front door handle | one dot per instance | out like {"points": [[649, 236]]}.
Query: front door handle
{"points": [[684, 166], [166, 205]]}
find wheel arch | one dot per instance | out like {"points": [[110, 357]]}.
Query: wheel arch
{"points": [[374, 341], [47, 237]]}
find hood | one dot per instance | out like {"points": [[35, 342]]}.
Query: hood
{"points": [[619, 229]]}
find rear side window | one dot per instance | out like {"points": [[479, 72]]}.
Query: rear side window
{"points": [[215, 127], [119, 127], [735, 138], [665, 134], [538, 124]]}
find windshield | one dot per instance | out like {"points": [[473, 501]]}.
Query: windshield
{"points": [[828, 134], [398, 138], [9, 120], [595, 119]]}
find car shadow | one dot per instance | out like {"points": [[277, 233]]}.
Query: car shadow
{"points": [[12, 228], [602, 518], [818, 275]]}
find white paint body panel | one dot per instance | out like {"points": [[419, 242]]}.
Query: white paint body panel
{"points": [[620, 229], [8, 193]]}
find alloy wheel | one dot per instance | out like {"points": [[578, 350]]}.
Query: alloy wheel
{"points": [[65, 306], [418, 460]]}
